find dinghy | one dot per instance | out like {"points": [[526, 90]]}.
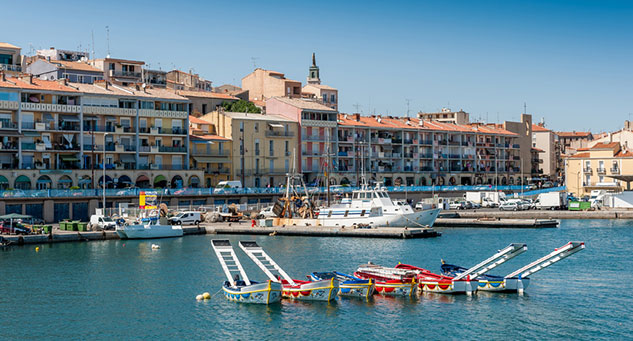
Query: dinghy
{"points": [[349, 285], [389, 281]]}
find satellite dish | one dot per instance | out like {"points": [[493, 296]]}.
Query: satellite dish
{"points": [[144, 85]]}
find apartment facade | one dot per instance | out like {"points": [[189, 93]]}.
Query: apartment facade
{"points": [[204, 102], [73, 71], [446, 115], [599, 167], [572, 141], [209, 152], [120, 71], [188, 81], [10, 59], [264, 84], [262, 148], [57, 134], [548, 157]]}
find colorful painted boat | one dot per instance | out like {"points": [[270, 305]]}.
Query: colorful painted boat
{"points": [[388, 281], [518, 280], [349, 286], [430, 282], [324, 290], [243, 290]]}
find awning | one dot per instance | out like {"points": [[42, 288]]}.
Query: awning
{"points": [[85, 181], [40, 180], [110, 118], [142, 178], [69, 158], [108, 179], [22, 178], [127, 158], [159, 178], [9, 132], [276, 125], [65, 181], [70, 118], [90, 118], [3, 180], [31, 134]]}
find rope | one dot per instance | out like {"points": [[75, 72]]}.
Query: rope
{"points": [[415, 222]]}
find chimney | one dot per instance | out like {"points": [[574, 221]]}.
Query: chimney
{"points": [[357, 117], [3, 77]]}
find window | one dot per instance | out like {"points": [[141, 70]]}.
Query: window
{"points": [[257, 166], [271, 165], [333, 98], [286, 148], [271, 148], [256, 127], [242, 126], [256, 146], [287, 166], [111, 66], [325, 98], [204, 109]]}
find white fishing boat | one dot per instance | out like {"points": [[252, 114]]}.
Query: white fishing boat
{"points": [[149, 230], [243, 289]]}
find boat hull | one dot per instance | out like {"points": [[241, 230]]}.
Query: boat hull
{"points": [[361, 288], [260, 293], [503, 285], [396, 288], [149, 231], [448, 287], [324, 290], [415, 219]]}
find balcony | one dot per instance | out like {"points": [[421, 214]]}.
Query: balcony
{"points": [[126, 74], [615, 170], [587, 170], [272, 133], [6, 124], [601, 170], [165, 149], [314, 138], [9, 67], [216, 170], [50, 107], [218, 153], [172, 131]]}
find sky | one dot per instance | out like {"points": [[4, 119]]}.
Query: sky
{"points": [[569, 62]]}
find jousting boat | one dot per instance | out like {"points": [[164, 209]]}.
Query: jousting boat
{"points": [[320, 290], [243, 290], [518, 280], [389, 281], [466, 282], [349, 285]]}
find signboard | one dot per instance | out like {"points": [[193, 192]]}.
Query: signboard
{"points": [[147, 200]]}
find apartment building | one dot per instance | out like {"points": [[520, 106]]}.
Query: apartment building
{"points": [[262, 148], [73, 71], [548, 152], [572, 141], [10, 59], [155, 78], [602, 166], [209, 152], [264, 84], [57, 134], [204, 102], [446, 115], [120, 71], [63, 55], [408, 151], [188, 81], [318, 133]]}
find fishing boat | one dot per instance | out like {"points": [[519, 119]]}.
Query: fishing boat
{"points": [[239, 287], [518, 280], [389, 281], [467, 281], [151, 223], [349, 285], [320, 290]]}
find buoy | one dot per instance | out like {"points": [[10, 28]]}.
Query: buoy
{"points": [[199, 298], [37, 249], [206, 296], [155, 246]]}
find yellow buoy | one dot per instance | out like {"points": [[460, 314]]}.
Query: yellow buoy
{"points": [[199, 298], [37, 249], [206, 296]]}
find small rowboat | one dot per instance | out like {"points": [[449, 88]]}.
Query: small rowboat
{"points": [[323, 290], [349, 286], [430, 282], [389, 281], [243, 290]]}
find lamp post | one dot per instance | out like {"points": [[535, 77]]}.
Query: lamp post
{"points": [[104, 173]]}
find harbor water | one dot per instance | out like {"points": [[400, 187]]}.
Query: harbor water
{"points": [[124, 289]]}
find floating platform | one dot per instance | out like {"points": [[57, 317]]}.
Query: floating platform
{"points": [[495, 223]]}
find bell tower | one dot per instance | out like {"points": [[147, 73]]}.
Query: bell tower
{"points": [[313, 75]]}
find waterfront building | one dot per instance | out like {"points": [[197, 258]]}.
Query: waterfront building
{"points": [[548, 156], [600, 167], [262, 147], [55, 133], [204, 102], [324, 94], [446, 115], [317, 137], [10, 59], [73, 71], [264, 84], [188, 81], [571, 141], [120, 71], [209, 152]]}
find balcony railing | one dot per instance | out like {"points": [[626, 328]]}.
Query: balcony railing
{"points": [[165, 149], [218, 153], [587, 170], [601, 170], [272, 133], [9, 67], [615, 170], [131, 74]]}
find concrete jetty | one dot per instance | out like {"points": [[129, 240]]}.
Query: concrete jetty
{"points": [[538, 214], [495, 223]]}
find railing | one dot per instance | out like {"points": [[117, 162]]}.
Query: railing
{"points": [[5, 124], [124, 74], [314, 138], [28, 125], [601, 170], [615, 171], [173, 131], [9, 67], [223, 153], [272, 133], [587, 170], [165, 149]]}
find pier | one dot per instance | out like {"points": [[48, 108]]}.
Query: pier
{"points": [[495, 223]]}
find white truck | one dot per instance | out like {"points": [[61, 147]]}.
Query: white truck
{"points": [[551, 201], [485, 198], [222, 186]]}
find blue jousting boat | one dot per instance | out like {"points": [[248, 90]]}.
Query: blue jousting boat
{"points": [[349, 285]]}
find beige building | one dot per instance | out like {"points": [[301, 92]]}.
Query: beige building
{"points": [[263, 84], [599, 167], [446, 116], [624, 136], [548, 157], [204, 102], [262, 147], [120, 71], [209, 152], [10, 59], [571, 141], [188, 81]]}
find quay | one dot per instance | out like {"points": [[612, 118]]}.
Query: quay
{"points": [[538, 214], [59, 236], [495, 223]]}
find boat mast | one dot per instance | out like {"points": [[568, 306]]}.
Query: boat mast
{"points": [[327, 166]]}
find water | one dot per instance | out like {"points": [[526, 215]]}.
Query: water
{"points": [[123, 289]]}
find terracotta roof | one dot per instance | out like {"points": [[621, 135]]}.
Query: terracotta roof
{"points": [[303, 104], [539, 150], [603, 145], [539, 128], [75, 66], [206, 94], [38, 84], [118, 90], [623, 153], [193, 119], [320, 86], [8, 46], [579, 156], [258, 102], [573, 133], [209, 137]]}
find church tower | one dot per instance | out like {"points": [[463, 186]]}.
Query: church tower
{"points": [[313, 76]]}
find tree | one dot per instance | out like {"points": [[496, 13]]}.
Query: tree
{"points": [[241, 106]]}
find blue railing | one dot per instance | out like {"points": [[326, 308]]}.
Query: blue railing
{"points": [[544, 190], [65, 193]]}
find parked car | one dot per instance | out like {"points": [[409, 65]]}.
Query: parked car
{"points": [[457, 205], [509, 206], [474, 204], [266, 212], [186, 218]]}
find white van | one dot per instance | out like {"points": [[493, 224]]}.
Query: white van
{"points": [[186, 218], [224, 185], [99, 222]]}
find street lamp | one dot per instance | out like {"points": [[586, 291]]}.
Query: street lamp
{"points": [[104, 173]]}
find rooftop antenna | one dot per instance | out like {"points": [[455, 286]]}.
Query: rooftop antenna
{"points": [[92, 34], [524, 108], [408, 102], [357, 106], [108, 38], [254, 60]]}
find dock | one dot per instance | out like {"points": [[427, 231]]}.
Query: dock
{"points": [[496, 223]]}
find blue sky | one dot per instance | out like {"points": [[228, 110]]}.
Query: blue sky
{"points": [[570, 61]]}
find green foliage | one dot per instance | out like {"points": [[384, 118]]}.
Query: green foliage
{"points": [[241, 106]]}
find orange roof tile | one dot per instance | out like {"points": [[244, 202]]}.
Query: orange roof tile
{"points": [[193, 119], [579, 155], [539, 128], [573, 133], [206, 94], [603, 145], [75, 66], [38, 84], [209, 137]]}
